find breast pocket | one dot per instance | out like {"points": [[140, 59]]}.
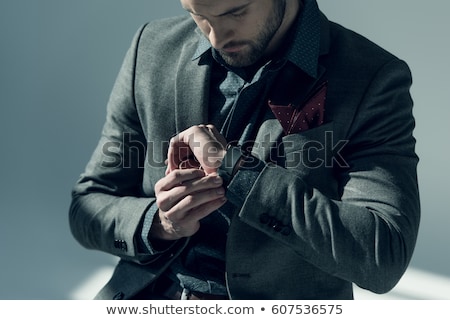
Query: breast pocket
{"points": [[312, 155]]}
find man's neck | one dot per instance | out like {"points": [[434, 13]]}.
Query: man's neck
{"points": [[293, 7]]}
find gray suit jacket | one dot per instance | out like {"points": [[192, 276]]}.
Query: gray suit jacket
{"points": [[348, 188]]}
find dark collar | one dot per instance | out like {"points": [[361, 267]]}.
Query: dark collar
{"points": [[303, 46]]}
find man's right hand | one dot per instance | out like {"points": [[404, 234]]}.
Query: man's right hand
{"points": [[184, 197]]}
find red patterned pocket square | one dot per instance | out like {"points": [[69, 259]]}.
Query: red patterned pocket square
{"points": [[295, 119]]}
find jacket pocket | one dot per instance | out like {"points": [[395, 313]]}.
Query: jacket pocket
{"points": [[311, 156], [309, 149]]}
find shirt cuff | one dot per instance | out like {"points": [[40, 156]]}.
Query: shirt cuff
{"points": [[145, 245]]}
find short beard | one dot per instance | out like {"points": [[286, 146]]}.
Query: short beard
{"points": [[258, 47]]}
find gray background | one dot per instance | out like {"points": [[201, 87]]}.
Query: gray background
{"points": [[59, 59]]}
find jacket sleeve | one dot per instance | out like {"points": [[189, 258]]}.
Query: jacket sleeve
{"points": [[108, 206], [365, 232]]}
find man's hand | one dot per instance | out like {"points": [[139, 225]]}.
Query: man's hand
{"points": [[184, 197], [203, 144]]}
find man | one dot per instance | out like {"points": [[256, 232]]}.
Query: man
{"points": [[253, 150]]}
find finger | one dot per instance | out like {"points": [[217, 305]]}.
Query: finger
{"points": [[217, 135], [190, 163], [188, 226], [211, 153], [176, 178], [205, 143], [205, 209], [185, 209], [167, 199], [178, 151], [206, 147]]}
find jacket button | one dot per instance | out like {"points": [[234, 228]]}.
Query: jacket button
{"points": [[286, 230], [264, 218], [277, 227], [267, 219], [121, 245]]}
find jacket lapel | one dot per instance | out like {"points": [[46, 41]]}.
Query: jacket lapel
{"points": [[191, 90]]}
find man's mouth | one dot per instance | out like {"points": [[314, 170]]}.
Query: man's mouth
{"points": [[233, 48]]}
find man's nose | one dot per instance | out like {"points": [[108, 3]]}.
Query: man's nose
{"points": [[219, 36]]}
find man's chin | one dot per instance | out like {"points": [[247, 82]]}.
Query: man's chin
{"points": [[238, 60]]}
